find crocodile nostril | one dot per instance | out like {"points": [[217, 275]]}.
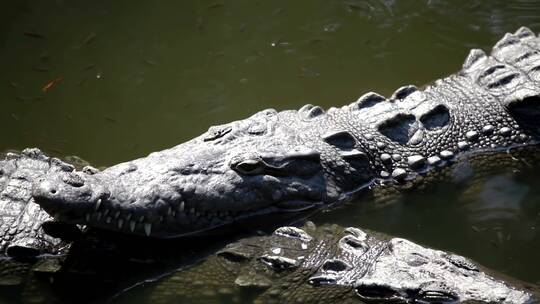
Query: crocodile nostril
{"points": [[45, 190]]}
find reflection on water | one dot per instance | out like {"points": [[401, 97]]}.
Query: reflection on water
{"points": [[111, 81]]}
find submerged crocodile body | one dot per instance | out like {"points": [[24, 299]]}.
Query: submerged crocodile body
{"points": [[295, 161], [21, 219], [330, 264], [312, 264]]}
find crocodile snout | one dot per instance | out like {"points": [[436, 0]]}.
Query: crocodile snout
{"points": [[45, 190], [67, 192]]}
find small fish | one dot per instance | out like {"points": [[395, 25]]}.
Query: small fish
{"points": [[89, 38], [33, 35], [51, 84]]}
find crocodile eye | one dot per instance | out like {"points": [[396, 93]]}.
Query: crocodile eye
{"points": [[251, 167], [257, 128], [217, 132]]}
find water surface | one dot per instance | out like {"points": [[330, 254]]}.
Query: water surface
{"points": [[112, 81]]}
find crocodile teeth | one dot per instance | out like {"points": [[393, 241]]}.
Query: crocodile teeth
{"points": [[87, 217], [132, 226], [108, 220], [181, 207], [141, 219], [98, 216], [147, 229], [169, 211], [120, 223], [174, 214], [105, 212], [128, 216], [117, 214], [98, 204], [161, 218]]}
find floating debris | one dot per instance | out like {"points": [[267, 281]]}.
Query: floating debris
{"points": [[22, 98], [13, 84], [54, 150], [51, 84], [33, 35], [278, 11], [14, 116], [26, 98], [215, 5], [44, 57], [279, 42], [150, 62], [308, 73], [500, 237], [332, 27], [243, 27], [82, 81], [355, 7], [315, 40], [200, 24], [40, 69], [89, 67], [110, 119], [89, 38]]}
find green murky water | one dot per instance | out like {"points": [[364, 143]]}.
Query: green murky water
{"points": [[112, 81]]}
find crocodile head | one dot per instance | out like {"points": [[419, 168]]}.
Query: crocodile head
{"points": [[252, 167]]}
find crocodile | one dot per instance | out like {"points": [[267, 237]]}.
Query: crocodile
{"points": [[281, 163], [332, 264], [244, 271]]}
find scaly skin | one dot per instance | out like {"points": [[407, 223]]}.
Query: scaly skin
{"points": [[291, 161], [330, 264], [227, 275]]}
